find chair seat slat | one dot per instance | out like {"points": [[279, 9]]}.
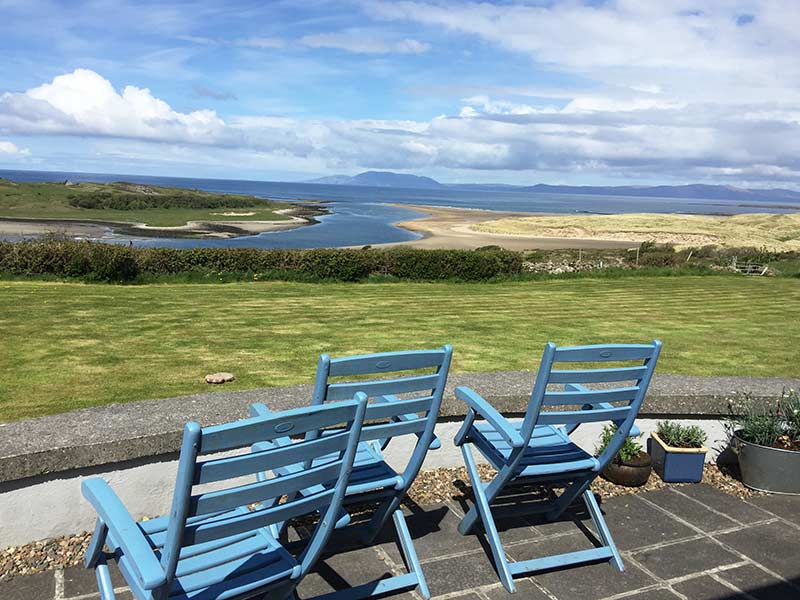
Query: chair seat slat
{"points": [[591, 396], [604, 353], [343, 391], [596, 375], [263, 490], [386, 362], [258, 429], [255, 462]]}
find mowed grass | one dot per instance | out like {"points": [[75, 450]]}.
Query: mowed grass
{"points": [[67, 346]]}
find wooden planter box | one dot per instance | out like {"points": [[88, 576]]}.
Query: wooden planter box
{"points": [[677, 465]]}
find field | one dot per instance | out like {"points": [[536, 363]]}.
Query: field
{"points": [[777, 232], [69, 345], [60, 201]]}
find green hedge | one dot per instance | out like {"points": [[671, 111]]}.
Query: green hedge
{"points": [[112, 262]]}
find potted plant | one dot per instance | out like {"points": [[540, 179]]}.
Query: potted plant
{"points": [[631, 466], [766, 439], [678, 452]]}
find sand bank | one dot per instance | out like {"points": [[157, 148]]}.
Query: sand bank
{"points": [[453, 228]]}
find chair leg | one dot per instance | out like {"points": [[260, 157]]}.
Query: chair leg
{"points": [[95, 550], [602, 528], [567, 497], [103, 576], [409, 552], [483, 509]]}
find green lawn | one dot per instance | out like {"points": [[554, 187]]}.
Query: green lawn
{"points": [[66, 346], [52, 201]]}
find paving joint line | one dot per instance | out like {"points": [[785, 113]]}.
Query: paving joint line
{"points": [[721, 544], [731, 586], [58, 587]]}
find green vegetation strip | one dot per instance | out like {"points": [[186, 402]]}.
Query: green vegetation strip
{"points": [[69, 345], [131, 203]]}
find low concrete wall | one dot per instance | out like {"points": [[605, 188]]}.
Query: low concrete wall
{"points": [[134, 445], [49, 506]]}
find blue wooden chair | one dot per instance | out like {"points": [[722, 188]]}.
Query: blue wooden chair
{"points": [[406, 404], [219, 543], [538, 450]]}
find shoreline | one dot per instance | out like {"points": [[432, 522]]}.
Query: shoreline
{"points": [[301, 215], [449, 228]]}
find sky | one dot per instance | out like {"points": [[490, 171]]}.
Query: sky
{"points": [[600, 93]]}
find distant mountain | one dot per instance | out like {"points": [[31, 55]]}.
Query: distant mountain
{"points": [[380, 179], [695, 190]]}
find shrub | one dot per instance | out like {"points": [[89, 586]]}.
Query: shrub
{"points": [[630, 448], [776, 425], [681, 436]]}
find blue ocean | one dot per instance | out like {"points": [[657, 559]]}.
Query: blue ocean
{"points": [[364, 215]]}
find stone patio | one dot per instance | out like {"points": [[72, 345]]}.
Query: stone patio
{"points": [[691, 542]]}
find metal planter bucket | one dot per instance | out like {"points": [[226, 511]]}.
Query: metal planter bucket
{"points": [[768, 469]]}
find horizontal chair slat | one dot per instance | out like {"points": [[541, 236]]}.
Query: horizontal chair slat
{"points": [[384, 410], [255, 462], [260, 429], [596, 375], [386, 362], [345, 391], [388, 430], [604, 353], [263, 490], [591, 396], [241, 523], [568, 417]]}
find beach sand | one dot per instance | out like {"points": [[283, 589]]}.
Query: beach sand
{"points": [[451, 228]]}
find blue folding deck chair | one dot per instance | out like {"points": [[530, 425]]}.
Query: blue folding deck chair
{"points": [[539, 450], [388, 415], [219, 544]]}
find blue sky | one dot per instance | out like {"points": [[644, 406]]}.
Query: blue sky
{"points": [[623, 92]]}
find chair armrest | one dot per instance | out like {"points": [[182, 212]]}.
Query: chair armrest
{"points": [[435, 442], [492, 416], [126, 532]]}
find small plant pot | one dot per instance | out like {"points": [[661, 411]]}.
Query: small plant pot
{"points": [[676, 465], [767, 469], [633, 473]]}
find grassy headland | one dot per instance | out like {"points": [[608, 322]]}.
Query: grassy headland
{"points": [[70, 345], [128, 203]]}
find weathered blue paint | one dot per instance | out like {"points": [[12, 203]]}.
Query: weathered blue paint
{"points": [[539, 450], [224, 543]]}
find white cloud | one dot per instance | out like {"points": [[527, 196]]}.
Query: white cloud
{"points": [[262, 42], [361, 42], [10, 148]]}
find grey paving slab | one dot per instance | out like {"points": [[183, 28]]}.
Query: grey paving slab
{"points": [[782, 505], [729, 505], [760, 584], [635, 524], [684, 558], [525, 589], [587, 582], [343, 570], [41, 586], [79, 581], [690, 510], [774, 545], [706, 588], [459, 573], [657, 594]]}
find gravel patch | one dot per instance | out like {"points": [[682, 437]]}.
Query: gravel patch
{"points": [[431, 487]]}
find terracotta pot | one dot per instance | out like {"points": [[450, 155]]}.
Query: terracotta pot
{"points": [[633, 473]]}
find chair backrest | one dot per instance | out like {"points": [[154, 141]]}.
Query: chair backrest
{"points": [[613, 393], [330, 478], [387, 413]]}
